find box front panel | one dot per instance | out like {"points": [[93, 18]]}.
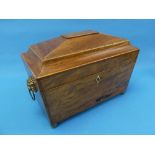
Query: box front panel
{"points": [[76, 96]]}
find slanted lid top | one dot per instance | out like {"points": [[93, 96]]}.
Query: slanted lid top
{"points": [[53, 52], [72, 44]]}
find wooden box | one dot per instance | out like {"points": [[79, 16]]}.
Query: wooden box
{"points": [[74, 72]]}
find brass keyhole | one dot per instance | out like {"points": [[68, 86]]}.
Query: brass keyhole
{"points": [[98, 79]]}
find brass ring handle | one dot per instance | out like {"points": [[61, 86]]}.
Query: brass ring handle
{"points": [[32, 94], [31, 85]]}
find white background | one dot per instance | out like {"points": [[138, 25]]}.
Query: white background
{"points": [[73, 145], [77, 145], [77, 9]]}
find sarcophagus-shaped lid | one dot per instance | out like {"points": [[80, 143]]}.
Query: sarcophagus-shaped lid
{"points": [[73, 50]]}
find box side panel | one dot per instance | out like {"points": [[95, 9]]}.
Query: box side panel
{"points": [[76, 96], [38, 95]]}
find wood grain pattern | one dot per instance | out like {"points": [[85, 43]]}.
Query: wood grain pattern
{"points": [[78, 95], [66, 69]]}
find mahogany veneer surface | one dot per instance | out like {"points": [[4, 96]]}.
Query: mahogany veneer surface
{"points": [[77, 71]]}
